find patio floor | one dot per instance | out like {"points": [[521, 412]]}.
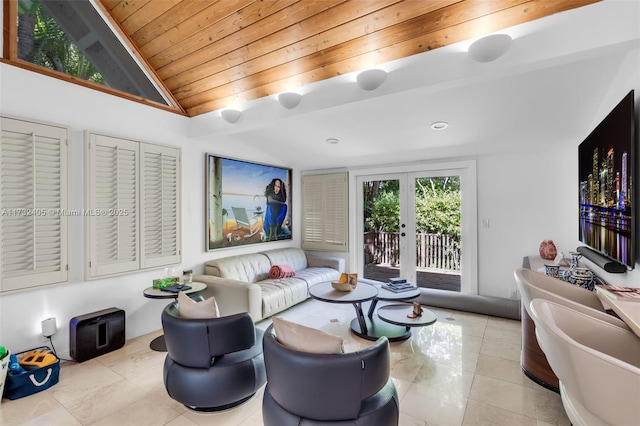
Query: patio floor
{"points": [[427, 279]]}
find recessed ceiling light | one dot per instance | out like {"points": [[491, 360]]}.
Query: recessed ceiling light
{"points": [[333, 141], [439, 125]]}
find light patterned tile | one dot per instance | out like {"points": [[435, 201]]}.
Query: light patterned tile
{"points": [[405, 367], [479, 414], [511, 336], [502, 369], [501, 349], [504, 323], [435, 406], [40, 405], [181, 421], [145, 411], [79, 379], [507, 396], [146, 339], [402, 387], [59, 416], [437, 376], [549, 408], [130, 349], [407, 420], [105, 401], [143, 367], [232, 417]]}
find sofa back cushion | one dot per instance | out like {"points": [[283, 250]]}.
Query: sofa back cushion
{"points": [[251, 268], [294, 257]]}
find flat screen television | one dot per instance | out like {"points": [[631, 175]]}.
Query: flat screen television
{"points": [[606, 186]]}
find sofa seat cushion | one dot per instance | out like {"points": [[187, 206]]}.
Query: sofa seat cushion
{"points": [[280, 294], [246, 267], [318, 275]]}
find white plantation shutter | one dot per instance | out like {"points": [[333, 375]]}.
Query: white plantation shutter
{"points": [[325, 212], [112, 213], [160, 207], [133, 193], [33, 185]]}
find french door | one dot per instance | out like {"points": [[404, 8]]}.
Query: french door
{"points": [[400, 234]]}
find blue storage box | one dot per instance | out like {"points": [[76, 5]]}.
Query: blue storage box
{"points": [[32, 380]]}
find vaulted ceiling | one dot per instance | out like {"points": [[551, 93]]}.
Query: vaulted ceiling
{"points": [[209, 55]]}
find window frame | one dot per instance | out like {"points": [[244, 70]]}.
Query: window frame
{"points": [[10, 57]]}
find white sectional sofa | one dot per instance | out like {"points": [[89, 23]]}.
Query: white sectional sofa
{"points": [[241, 283]]}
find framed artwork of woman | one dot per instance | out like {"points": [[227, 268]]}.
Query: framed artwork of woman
{"points": [[246, 203]]}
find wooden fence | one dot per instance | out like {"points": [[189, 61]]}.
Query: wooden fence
{"points": [[435, 251]]}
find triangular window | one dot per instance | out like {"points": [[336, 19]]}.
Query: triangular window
{"points": [[71, 37]]}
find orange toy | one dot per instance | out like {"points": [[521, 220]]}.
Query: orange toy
{"points": [[38, 358]]}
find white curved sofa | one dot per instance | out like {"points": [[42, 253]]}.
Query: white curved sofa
{"points": [[241, 283]]}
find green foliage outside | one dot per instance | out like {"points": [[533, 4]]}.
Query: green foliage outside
{"points": [[41, 41], [437, 206]]}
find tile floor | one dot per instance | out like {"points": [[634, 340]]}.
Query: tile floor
{"points": [[463, 370]]}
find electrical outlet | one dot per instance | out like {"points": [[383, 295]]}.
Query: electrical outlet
{"points": [[513, 293]]}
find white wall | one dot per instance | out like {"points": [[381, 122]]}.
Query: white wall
{"points": [[531, 195]]}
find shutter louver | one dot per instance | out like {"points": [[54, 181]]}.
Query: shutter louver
{"points": [[324, 212], [34, 195]]}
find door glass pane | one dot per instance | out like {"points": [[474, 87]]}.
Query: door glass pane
{"points": [[381, 205], [437, 225]]}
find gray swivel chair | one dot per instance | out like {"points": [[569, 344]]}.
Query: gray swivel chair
{"points": [[212, 364], [309, 389]]}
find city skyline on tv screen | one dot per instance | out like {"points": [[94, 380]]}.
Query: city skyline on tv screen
{"points": [[606, 171]]}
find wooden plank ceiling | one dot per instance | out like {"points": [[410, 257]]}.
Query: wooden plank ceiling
{"points": [[214, 54]]}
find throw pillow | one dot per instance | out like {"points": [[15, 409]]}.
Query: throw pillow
{"points": [[306, 339], [189, 308]]}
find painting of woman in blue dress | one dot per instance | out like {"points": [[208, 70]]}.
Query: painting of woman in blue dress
{"points": [[276, 210], [239, 209]]}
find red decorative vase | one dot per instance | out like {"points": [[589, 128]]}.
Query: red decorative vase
{"points": [[548, 250]]}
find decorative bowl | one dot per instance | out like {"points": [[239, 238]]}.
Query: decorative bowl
{"points": [[346, 282], [343, 286]]}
